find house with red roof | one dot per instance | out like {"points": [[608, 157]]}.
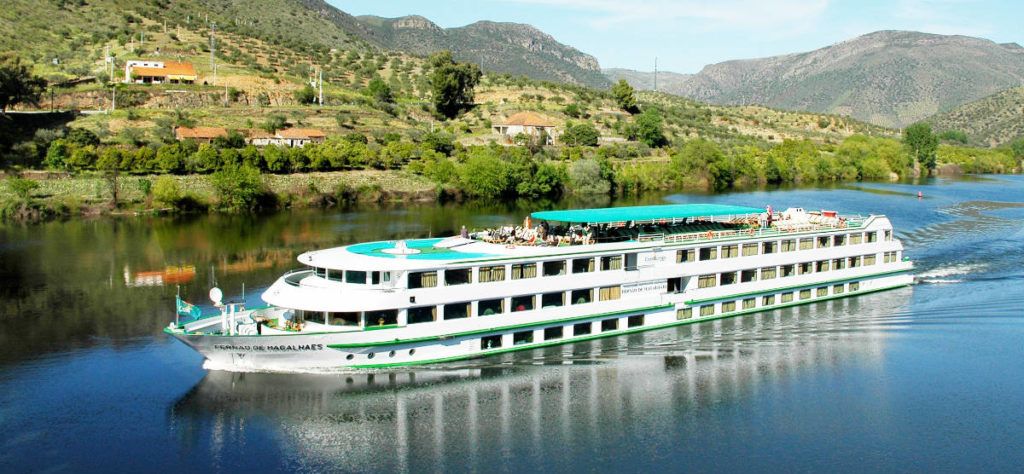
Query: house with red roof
{"points": [[159, 72], [527, 123]]}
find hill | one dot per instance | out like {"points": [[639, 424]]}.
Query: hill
{"points": [[993, 121], [510, 48], [890, 78]]}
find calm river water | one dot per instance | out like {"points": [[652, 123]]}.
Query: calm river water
{"points": [[928, 378]]}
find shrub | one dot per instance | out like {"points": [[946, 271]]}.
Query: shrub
{"points": [[21, 187], [585, 178], [238, 188], [166, 191]]}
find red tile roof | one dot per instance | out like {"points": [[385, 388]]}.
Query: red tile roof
{"points": [[206, 133], [527, 119], [171, 68], [301, 133]]}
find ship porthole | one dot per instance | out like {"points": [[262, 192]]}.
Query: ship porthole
{"points": [[369, 356], [391, 354], [412, 351], [350, 357]]}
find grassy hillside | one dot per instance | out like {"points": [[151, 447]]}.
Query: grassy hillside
{"points": [[993, 121]]}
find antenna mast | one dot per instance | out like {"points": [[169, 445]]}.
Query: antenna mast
{"points": [[213, 41], [655, 74]]}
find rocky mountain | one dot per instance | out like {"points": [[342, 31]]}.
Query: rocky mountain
{"points": [[890, 78], [502, 47], [992, 121]]}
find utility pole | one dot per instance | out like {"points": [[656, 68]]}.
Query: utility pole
{"points": [[655, 74], [215, 75], [213, 43], [113, 98], [320, 82]]}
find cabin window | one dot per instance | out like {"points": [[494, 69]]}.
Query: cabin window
{"points": [[312, 316], [610, 293], [788, 245], [422, 314], [685, 313], [336, 275], [343, 319], [869, 259], [613, 262], [888, 235], [380, 318], [769, 247], [582, 265], [581, 329], [854, 262], [787, 270], [422, 279], [822, 291], [804, 268], [839, 240], [838, 289], [707, 281], [458, 276], [524, 270], [675, 285], [839, 264], [490, 342], [635, 321], [749, 250], [553, 333], [355, 276], [821, 265], [374, 278], [522, 337], [728, 306], [767, 300], [805, 294], [727, 278], [320, 272], [824, 241], [456, 310], [854, 286], [489, 307], [856, 239], [787, 297], [522, 303], [768, 273], [582, 296], [493, 273], [609, 325], [631, 262], [707, 310], [748, 276], [685, 256], [548, 300], [554, 268], [806, 243], [871, 237], [730, 251], [708, 253]]}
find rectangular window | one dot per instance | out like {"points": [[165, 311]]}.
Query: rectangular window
{"points": [[854, 286], [770, 247], [320, 272], [730, 251], [822, 291], [522, 337], [610, 293], [839, 240], [728, 306], [347, 319], [749, 303], [839, 264], [524, 270], [853, 262], [707, 281], [355, 276], [336, 275], [749, 250], [748, 276], [458, 276], [787, 270], [582, 265], [888, 235], [492, 273], [767, 300], [838, 289], [727, 278], [707, 310], [788, 245], [869, 259], [824, 241], [708, 253], [423, 314], [582, 296], [613, 262], [490, 342], [685, 313], [787, 297], [635, 321], [805, 294], [804, 268], [609, 325], [374, 278], [685, 256], [311, 316], [821, 266], [768, 273], [631, 262], [548, 300], [456, 311], [489, 307], [553, 333], [806, 243], [581, 329], [388, 317], [522, 303], [554, 268], [675, 285], [856, 239], [871, 237]]}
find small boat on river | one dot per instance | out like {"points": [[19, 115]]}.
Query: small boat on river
{"points": [[560, 277]]}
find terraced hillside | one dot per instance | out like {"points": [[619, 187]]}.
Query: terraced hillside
{"points": [[993, 121]]}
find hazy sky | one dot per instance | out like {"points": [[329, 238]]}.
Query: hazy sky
{"points": [[686, 35]]}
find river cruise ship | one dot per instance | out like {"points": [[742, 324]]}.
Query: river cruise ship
{"points": [[562, 276]]}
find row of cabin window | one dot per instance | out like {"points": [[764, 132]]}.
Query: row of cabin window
{"points": [[352, 276], [769, 300], [425, 314], [461, 276], [768, 273], [558, 332], [785, 245]]}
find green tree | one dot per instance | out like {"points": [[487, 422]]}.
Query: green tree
{"points": [[171, 158], [583, 134], [650, 129], [484, 174], [82, 137], [922, 144], [274, 122], [585, 178], [380, 91], [572, 110], [624, 96], [17, 84], [306, 95], [238, 188], [451, 83], [21, 187], [167, 191]]}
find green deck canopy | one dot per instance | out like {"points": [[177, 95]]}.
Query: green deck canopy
{"points": [[643, 213]]}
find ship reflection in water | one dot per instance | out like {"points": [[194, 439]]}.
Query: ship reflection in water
{"points": [[578, 406]]}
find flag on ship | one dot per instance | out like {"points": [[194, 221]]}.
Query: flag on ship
{"points": [[187, 309]]}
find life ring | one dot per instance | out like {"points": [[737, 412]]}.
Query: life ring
{"points": [[710, 235]]}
